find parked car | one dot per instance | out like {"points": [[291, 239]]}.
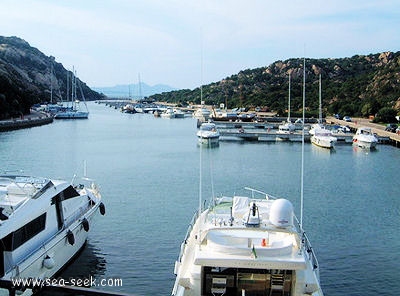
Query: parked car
{"points": [[391, 127], [347, 118], [337, 116], [398, 130]]}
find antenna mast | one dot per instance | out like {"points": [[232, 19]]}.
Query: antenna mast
{"points": [[302, 145]]}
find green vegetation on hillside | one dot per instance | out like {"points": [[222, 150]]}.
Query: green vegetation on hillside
{"points": [[356, 86]]}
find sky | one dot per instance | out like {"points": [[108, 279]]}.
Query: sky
{"points": [[187, 43]]}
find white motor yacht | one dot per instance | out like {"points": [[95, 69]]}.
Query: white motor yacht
{"points": [[43, 224], [178, 113], [168, 113], [322, 137], [365, 138], [247, 246], [284, 131], [208, 134], [202, 114]]}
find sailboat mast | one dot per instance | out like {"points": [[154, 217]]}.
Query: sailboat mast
{"points": [[140, 88], [67, 97], [201, 102], [302, 146], [288, 119], [320, 100], [51, 83], [72, 83]]}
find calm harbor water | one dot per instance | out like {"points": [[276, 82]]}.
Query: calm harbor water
{"points": [[148, 171]]}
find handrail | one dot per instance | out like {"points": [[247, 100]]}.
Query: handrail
{"points": [[306, 244], [188, 231]]}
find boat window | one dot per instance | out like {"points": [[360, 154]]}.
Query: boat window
{"points": [[43, 189], [67, 193], [17, 238], [258, 282], [70, 192]]}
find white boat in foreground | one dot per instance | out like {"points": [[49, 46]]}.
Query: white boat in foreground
{"points": [[43, 224], [208, 134], [365, 138], [247, 246]]}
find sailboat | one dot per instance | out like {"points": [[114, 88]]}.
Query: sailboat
{"points": [[73, 112], [320, 135], [284, 130], [245, 245]]}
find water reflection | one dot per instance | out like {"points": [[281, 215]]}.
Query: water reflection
{"points": [[89, 263]]}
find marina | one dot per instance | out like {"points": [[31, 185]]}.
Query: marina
{"points": [[265, 129], [151, 190]]}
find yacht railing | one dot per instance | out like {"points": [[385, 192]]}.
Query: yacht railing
{"points": [[306, 244], [189, 230]]}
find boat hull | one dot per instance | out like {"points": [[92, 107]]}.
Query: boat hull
{"points": [[72, 115], [59, 249], [323, 142], [364, 138], [364, 144], [209, 141]]}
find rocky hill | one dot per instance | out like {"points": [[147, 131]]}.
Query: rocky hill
{"points": [[361, 85], [26, 77]]}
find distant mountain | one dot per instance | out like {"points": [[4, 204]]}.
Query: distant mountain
{"points": [[361, 85], [133, 90], [27, 76]]}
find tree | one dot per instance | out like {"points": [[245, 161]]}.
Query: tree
{"points": [[386, 114], [370, 108]]}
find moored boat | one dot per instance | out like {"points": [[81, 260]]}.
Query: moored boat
{"points": [[284, 131], [202, 113], [287, 128], [43, 224], [242, 245], [73, 111], [178, 113], [320, 135], [365, 138], [208, 134], [168, 113], [323, 138]]}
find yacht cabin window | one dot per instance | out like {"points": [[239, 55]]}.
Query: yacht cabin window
{"points": [[18, 237]]}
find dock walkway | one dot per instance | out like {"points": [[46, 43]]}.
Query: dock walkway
{"points": [[34, 119]]}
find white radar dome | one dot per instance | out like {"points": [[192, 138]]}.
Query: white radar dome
{"points": [[281, 213]]}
